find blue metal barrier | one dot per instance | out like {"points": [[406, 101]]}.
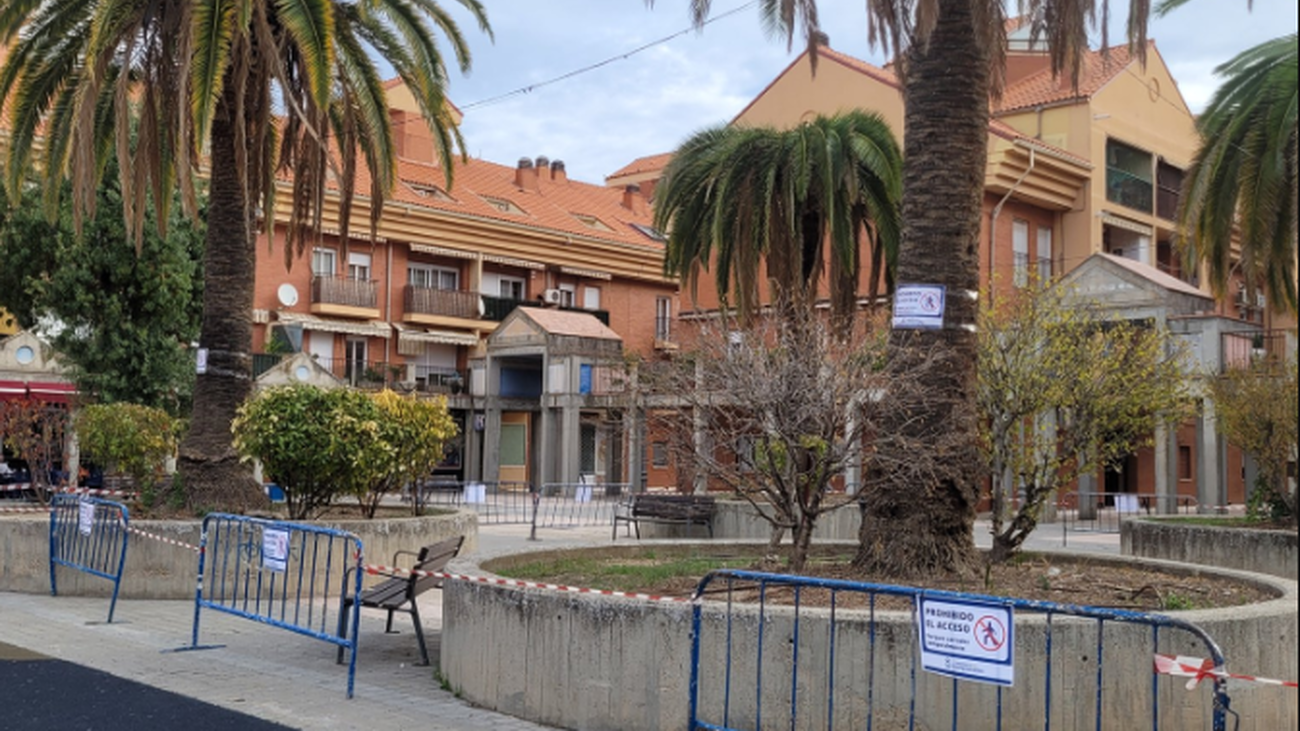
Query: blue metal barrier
{"points": [[762, 658], [90, 535], [286, 575]]}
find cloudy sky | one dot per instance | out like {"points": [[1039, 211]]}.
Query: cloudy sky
{"points": [[599, 120]]}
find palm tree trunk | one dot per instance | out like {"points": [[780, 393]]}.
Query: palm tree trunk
{"points": [[213, 475], [913, 526]]}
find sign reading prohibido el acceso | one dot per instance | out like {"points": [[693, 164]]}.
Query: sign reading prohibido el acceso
{"points": [[918, 307], [967, 639]]}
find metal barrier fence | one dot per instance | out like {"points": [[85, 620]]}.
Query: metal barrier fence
{"points": [[1102, 512], [497, 503], [573, 505], [796, 652], [286, 575], [88, 534], [553, 505]]}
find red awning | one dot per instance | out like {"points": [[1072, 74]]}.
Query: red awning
{"points": [[48, 391]]}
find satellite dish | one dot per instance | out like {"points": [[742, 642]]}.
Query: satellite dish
{"points": [[287, 294]]}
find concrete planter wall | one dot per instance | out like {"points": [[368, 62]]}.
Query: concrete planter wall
{"points": [[1263, 551], [601, 663], [739, 521], [158, 570]]}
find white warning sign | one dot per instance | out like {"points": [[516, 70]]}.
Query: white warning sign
{"points": [[968, 640]]}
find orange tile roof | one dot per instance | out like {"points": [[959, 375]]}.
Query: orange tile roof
{"points": [[552, 206], [1096, 70], [562, 322], [647, 164]]}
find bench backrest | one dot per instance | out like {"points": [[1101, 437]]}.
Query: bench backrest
{"points": [[434, 557], [673, 507]]}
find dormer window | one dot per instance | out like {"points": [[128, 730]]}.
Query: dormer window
{"points": [[429, 191], [503, 205], [591, 222]]}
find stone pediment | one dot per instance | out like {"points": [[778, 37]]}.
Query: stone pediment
{"points": [[1115, 283], [299, 368], [23, 355]]}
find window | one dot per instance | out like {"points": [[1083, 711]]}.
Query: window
{"points": [[1169, 188], [659, 455], [429, 191], [358, 267], [591, 298], [663, 318], [1128, 176], [355, 360], [1184, 462], [323, 262], [511, 288], [649, 232], [431, 277], [568, 295], [1044, 255], [1020, 252]]}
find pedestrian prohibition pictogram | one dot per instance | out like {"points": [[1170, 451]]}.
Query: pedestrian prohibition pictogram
{"points": [[967, 639], [989, 633]]}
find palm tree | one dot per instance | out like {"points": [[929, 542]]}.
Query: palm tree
{"points": [[260, 89], [1243, 177], [735, 196], [950, 60]]}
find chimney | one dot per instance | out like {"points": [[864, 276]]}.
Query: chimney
{"points": [[543, 162], [557, 172], [526, 175], [821, 39], [632, 199]]}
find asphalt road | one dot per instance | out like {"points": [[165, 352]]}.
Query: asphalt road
{"points": [[54, 695]]}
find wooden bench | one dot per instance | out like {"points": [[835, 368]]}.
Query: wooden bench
{"points": [[670, 509], [398, 592]]}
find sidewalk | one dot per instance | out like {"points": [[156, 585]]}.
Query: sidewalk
{"points": [[290, 679]]}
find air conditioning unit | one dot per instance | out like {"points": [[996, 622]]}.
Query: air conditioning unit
{"points": [[552, 296]]}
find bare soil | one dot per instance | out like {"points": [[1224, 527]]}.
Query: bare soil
{"points": [[1035, 577]]}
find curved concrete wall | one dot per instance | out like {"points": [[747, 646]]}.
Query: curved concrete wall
{"points": [[1262, 551], [158, 570], [593, 663]]}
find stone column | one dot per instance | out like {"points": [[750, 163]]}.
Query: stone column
{"points": [[1208, 486], [1165, 487]]}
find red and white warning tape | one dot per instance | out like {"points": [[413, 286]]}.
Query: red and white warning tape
{"points": [[524, 584], [17, 487], [164, 539], [6, 509], [1198, 669]]}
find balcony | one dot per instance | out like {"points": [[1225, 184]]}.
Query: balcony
{"points": [[497, 308], [442, 303], [344, 296], [1129, 190], [1241, 349], [1169, 189]]}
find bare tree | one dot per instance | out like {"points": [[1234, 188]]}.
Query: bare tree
{"points": [[780, 412], [1064, 388]]}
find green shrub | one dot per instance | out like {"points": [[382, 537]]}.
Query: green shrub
{"points": [[128, 438]]}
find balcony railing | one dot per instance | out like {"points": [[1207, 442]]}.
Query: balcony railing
{"points": [[1167, 202], [445, 302], [1127, 189], [344, 291], [1241, 349], [497, 308]]}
